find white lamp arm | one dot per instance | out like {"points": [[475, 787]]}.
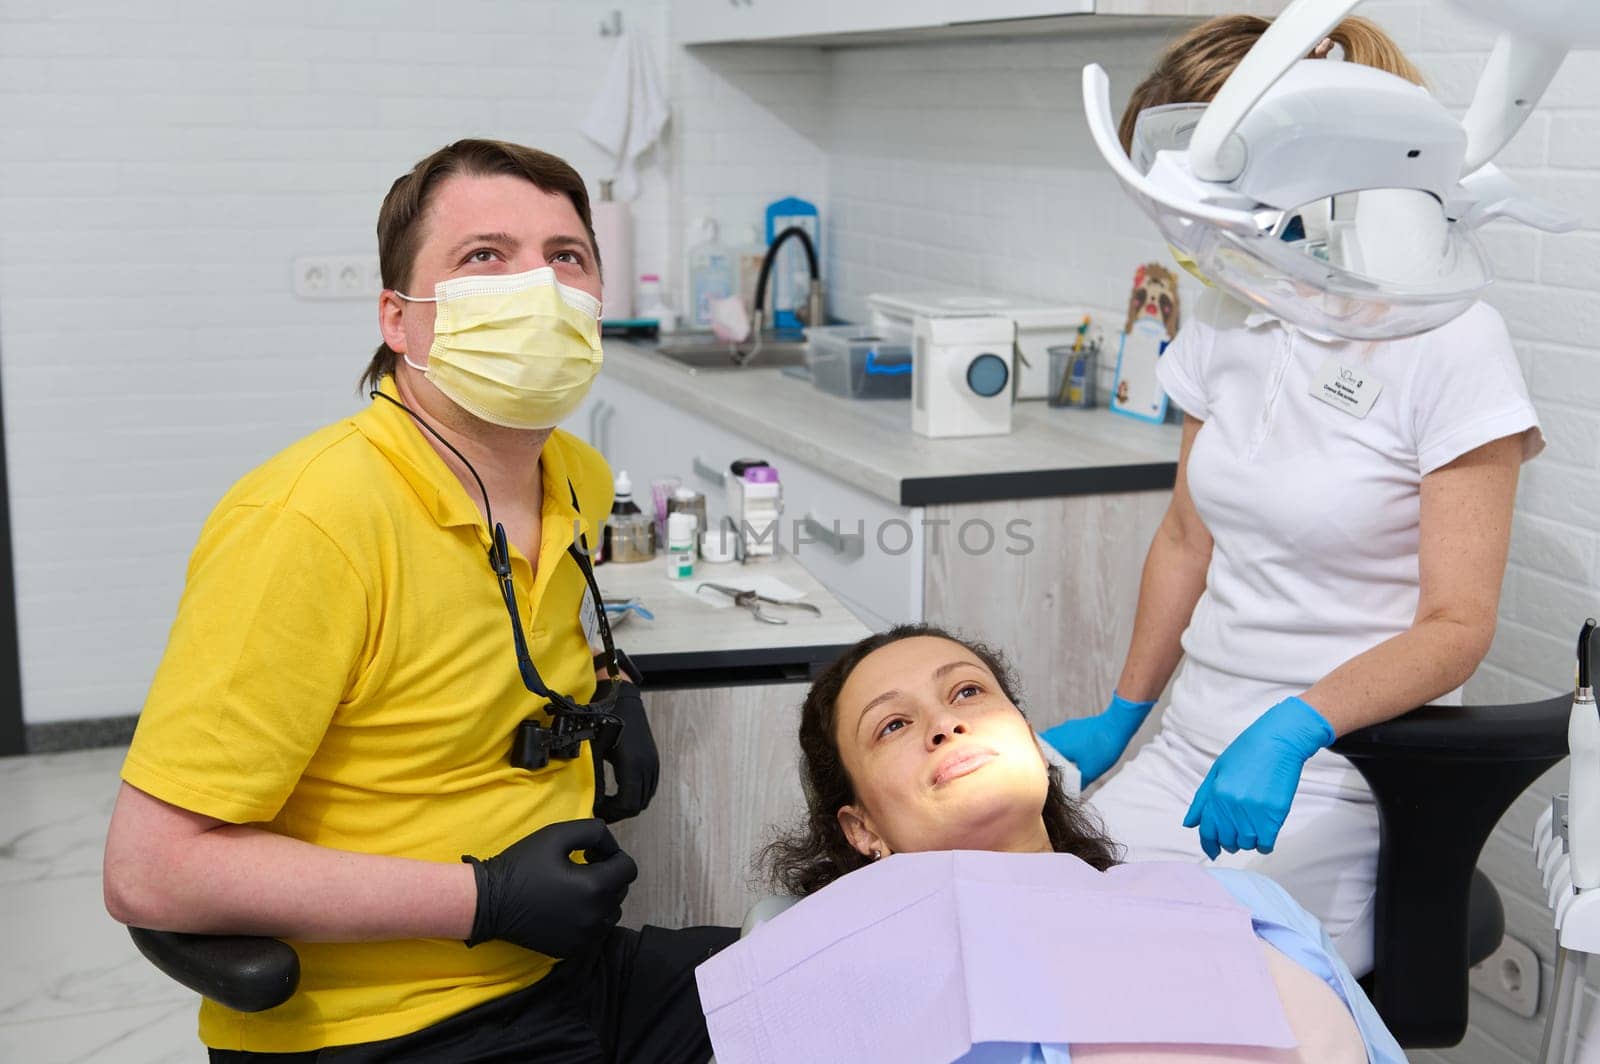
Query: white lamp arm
{"points": [[1518, 72], [1292, 35]]}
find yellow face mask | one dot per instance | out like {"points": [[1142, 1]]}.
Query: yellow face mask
{"points": [[1189, 266], [517, 350]]}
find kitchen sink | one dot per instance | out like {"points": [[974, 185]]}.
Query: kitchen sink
{"points": [[705, 352]]}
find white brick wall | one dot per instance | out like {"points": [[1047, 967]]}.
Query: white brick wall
{"points": [[750, 129], [161, 162], [971, 165]]}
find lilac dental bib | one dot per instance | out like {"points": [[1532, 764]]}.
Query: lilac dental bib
{"points": [[921, 956]]}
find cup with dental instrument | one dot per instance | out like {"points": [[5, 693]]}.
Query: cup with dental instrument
{"points": [[661, 492]]}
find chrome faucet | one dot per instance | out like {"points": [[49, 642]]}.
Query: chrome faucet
{"points": [[813, 312]]}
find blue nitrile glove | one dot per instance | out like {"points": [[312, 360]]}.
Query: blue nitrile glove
{"points": [[1247, 794], [1094, 743]]}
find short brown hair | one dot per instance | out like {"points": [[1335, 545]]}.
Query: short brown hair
{"points": [[815, 852], [1193, 68], [400, 229]]}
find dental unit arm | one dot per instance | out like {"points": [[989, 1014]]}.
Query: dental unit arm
{"points": [[1566, 843], [1534, 40], [1391, 186], [1583, 790]]}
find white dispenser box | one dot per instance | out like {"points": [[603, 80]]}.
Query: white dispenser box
{"points": [[1040, 326], [961, 376], [755, 502]]}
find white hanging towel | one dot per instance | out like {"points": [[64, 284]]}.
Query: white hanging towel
{"points": [[629, 113]]}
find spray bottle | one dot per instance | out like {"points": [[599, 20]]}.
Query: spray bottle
{"points": [[711, 273]]}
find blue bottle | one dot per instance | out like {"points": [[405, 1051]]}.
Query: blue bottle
{"points": [[786, 292]]}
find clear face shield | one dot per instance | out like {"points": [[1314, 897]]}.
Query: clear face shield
{"points": [[1367, 264]]}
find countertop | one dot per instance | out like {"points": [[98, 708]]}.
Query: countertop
{"points": [[869, 443], [691, 643]]}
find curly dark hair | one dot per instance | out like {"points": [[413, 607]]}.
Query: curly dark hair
{"points": [[815, 852]]}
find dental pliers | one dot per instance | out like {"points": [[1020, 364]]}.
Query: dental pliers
{"points": [[752, 600]]}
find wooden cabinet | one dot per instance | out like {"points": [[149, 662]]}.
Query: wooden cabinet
{"points": [[729, 775], [1056, 593]]}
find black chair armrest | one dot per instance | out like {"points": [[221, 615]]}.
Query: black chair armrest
{"points": [[246, 973], [1523, 731], [1443, 776]]}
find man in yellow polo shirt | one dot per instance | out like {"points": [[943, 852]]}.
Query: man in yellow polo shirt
{"points": [[384, 659]]}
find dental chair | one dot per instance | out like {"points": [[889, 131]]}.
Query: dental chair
{"points": [[1443, 777]]}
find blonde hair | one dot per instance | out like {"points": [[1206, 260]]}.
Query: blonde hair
{"points": [[1193, 68]]}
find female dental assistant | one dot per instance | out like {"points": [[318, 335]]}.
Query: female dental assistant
{"points": [[1324, 564]]}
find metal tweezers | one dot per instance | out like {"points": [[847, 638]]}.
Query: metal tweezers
{"points": [[752, 601]]}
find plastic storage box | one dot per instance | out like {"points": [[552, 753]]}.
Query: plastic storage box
{"points": [[859, 362]]}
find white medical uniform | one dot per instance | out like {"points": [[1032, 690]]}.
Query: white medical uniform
{"points": [[1314, 511]]}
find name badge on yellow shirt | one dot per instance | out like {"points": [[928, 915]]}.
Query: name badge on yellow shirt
{"points": [[1346, 388], [589, 617]]}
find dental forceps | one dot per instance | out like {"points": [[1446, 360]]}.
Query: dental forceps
{"points": [[752, 600]]}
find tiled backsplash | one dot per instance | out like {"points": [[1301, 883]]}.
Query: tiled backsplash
{"points": [[970, 166]]}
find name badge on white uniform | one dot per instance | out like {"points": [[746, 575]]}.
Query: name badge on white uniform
{"points": [[1344, 388], [589, 617]]}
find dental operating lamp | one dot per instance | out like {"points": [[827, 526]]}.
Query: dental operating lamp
{"points": [[1337, 196]]}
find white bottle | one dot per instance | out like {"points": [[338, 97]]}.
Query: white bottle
{"points": [[650, 304], [613, 232], [680, 546]]}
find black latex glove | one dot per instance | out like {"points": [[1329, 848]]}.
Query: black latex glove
{"points": [[536, 896], [635, 765]]}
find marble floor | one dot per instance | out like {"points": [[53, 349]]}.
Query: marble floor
{"points": [[72, 987]]}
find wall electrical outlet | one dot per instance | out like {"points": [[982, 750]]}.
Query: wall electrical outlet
{"points": [[1509, 977], [325, 277]]}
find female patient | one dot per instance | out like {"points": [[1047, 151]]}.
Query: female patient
{"points": [[913, 741]]}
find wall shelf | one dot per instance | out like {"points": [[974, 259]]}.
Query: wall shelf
{"points": [[851, 23]]}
